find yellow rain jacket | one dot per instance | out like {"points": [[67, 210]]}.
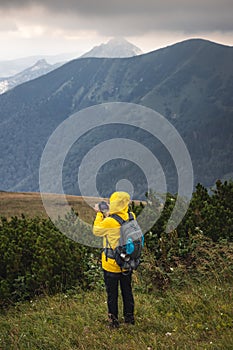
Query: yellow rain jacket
{"points": [[110, 228]]}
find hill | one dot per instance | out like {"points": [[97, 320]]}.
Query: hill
{"points": [[190, 83]]}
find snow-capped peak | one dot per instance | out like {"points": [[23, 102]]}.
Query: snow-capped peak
{"points": [[115, 47]]}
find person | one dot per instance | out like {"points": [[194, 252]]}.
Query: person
{"points": [[107, 227]]}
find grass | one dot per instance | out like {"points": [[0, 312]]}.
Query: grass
{"points": [[195, 317], [30, 204]]}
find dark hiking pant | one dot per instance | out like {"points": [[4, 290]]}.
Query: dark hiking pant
{"points": [[112, 282]]}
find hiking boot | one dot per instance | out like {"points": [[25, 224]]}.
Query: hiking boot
{"points": [[113, 321], [129, 319]]}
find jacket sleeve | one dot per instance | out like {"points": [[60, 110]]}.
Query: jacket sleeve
{"points": [[99, 227], [104, 226]]}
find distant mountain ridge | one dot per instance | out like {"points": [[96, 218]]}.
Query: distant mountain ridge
{"points": [[190, 83], [41, 67], [116, 47], [12, 67]]}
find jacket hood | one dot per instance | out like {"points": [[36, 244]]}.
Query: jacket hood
{"points": [[119, 202]]}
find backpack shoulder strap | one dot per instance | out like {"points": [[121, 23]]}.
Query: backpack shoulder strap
{"points": [[120, 220], [131, 217], [117, 218]]}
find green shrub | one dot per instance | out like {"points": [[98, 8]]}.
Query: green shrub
{"points": [[37, 258]]}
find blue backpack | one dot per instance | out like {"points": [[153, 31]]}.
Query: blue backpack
{"points": [[128, 252]]}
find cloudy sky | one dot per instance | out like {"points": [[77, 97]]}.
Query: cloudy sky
{"points": [[33, 27]]}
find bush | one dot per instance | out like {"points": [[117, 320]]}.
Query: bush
{"points": [[37, 258], [204, 260], [199, 248]]}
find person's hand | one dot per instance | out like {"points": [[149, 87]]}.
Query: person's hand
{"points": [[96, 207], [106, 214]]}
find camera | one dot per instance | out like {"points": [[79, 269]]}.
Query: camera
{"points": [[103, 207]]}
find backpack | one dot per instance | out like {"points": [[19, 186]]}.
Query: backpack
{"points": [[128, 252]]}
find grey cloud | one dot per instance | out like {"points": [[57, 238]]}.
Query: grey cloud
{"points": [[4, 4], [137, 16]]}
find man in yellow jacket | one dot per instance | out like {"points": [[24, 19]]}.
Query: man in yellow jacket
{"points": [[107, 227]]}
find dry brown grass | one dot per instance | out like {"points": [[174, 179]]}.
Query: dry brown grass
{"points": [[31, 205]]}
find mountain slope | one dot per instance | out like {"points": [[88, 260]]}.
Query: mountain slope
{"points": [[116, 47], [190, 83], [41, 67]]}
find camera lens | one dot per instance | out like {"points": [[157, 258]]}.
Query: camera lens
{"points": [[125, 257]]}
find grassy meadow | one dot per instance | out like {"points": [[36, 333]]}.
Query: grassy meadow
{"points": [[195, 317]]}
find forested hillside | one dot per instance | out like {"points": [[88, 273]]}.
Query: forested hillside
{"points": [[190, 83]]}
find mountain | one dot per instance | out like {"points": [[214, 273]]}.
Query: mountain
{"points": [[39, 68], [190, 83], [116, 47], [12, 67]]}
